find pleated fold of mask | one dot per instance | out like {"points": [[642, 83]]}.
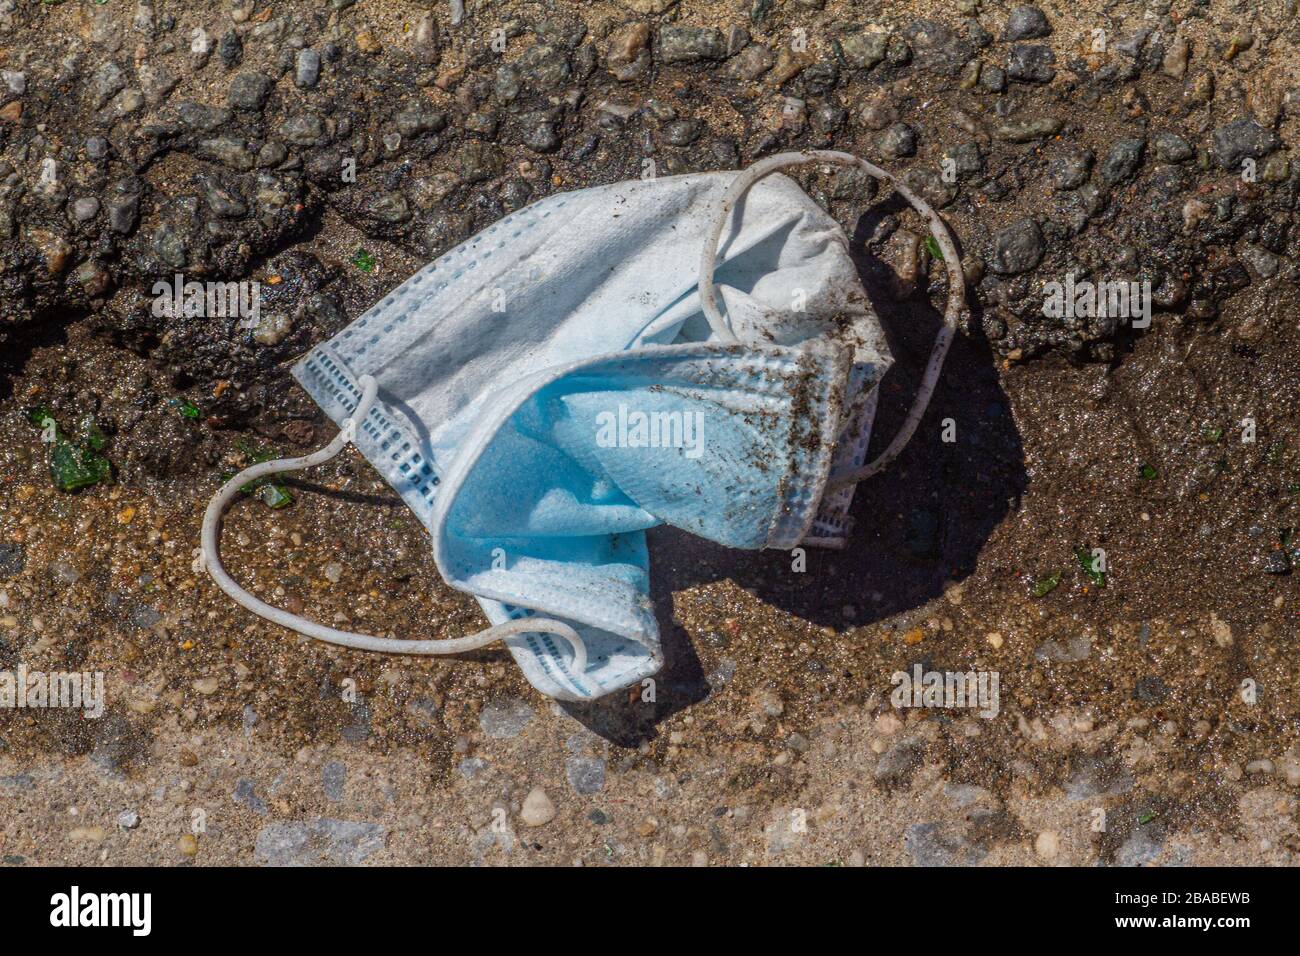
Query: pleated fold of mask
{"points": [[548, 391]]}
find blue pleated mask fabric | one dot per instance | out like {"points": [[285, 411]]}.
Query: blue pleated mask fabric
{"points": [[550, 390]]}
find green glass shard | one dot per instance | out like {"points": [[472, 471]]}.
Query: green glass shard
{"points": [[1089, 565], [76, 464], [185, 407], [364, 261], [274, 495], [91, 435], [72, 467], [1045, 586]]}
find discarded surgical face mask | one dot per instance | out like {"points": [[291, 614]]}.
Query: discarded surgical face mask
{"points": [[567, 379]]}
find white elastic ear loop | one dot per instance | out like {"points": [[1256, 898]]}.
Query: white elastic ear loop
{"points": [[956, 285], [212, 561]]}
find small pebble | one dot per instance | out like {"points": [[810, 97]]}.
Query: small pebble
{"points": [[128, 819], [537, 809], [85, 208], [1027, 23], [308, 68]]}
